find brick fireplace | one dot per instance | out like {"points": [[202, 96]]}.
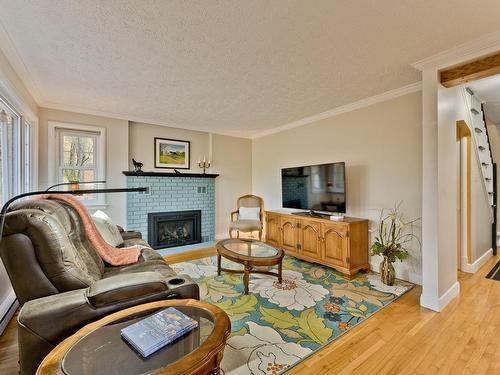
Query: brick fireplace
{"points": [[172, 195]]}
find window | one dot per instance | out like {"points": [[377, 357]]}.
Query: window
{"points": [[10, 166], [27, 155], [79, 156]]}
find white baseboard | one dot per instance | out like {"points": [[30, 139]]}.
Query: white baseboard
{"points": [[8, 308], [412, 277], [438, 304], [7, 301], [449, 295], [472, 268], [429, 302]]}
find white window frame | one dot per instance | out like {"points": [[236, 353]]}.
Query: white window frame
{"points": [[28, 113], [27, 155], [21, 105], [61, 167], [55, 129], [13, 168]]}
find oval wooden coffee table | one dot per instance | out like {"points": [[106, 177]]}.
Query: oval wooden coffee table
{"points": [[250, 253], [98, 347]]}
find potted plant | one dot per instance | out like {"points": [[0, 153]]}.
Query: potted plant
{"points": [[393, 235]]}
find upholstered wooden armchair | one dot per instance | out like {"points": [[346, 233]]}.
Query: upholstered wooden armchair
{"points": [[248, 217]]}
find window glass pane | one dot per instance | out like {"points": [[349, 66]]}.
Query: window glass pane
{"points": [[78, 175], [27, 156], [78, 150], [9, 152], [80, 158]]}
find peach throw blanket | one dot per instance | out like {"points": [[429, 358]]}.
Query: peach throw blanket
{"points": [[110, 254]]}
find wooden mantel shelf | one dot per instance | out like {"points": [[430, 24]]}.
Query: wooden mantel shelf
{"points": [[168, 174]]}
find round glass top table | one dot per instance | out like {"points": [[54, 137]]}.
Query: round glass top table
{"points": [[98, 348], [250, 253]]}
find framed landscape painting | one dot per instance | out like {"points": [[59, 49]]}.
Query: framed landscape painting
{"points": [[172, 153]]}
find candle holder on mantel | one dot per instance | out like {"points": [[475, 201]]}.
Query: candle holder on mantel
{"points": [[204, 164]]}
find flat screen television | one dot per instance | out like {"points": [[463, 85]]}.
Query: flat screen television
{"points": [[314, 187]]}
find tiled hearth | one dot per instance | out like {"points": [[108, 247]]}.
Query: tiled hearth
{"points": [[168, 194]]}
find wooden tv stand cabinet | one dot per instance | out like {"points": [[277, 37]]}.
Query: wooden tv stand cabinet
{"points": [[342, 245]]}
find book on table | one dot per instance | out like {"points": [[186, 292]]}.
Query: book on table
{"points": [[154, 332]]}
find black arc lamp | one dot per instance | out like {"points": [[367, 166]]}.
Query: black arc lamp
{"points": [[78, 191]]}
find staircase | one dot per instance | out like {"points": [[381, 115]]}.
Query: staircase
{"points": [[482, 146], [481, 142]]}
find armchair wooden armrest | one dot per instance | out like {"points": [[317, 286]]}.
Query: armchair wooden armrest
{"points": [[233, 214]]}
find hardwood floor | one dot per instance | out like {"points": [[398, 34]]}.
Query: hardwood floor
{"points": [[8, 349], [402, 338], [190, 255]]}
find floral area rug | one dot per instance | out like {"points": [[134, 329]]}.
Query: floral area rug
{"points": [[278, 325]]}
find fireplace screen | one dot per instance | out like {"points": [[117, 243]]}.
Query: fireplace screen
{"points": [[168, 229]]}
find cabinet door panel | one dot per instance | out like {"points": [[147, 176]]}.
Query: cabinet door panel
{"points": [[335, 245], [289, 235], [310, 238], [273, 229]]}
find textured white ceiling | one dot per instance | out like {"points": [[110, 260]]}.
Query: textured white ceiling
{"points": [[237, 67], [488, 91]]}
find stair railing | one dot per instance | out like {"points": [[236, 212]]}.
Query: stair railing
{"points": [[476, 123]]}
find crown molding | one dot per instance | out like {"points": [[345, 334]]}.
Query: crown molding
{"points": [[392, 94], [9, 50], [8, 90], [463, 53], [130, 118]]}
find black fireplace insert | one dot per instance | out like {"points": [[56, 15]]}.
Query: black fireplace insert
{"points": [[174, 228]]}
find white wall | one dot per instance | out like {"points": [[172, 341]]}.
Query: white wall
{"points": [[116, 154], [481, 213], [481, 218], [382, 147], [447, 188], [141, 144], [442, 108], [494, 134], [13, 89], [231, 158], [453, 108], [430, 191]]}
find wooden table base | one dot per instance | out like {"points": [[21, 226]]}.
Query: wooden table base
{"points": [[248, 269]]}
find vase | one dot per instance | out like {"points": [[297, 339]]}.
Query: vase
{"points": [[387, 273]]}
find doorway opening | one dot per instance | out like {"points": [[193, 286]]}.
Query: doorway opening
{"points": [[464, 240]]}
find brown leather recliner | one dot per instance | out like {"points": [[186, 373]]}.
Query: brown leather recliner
{"points": [[61, 282]]}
